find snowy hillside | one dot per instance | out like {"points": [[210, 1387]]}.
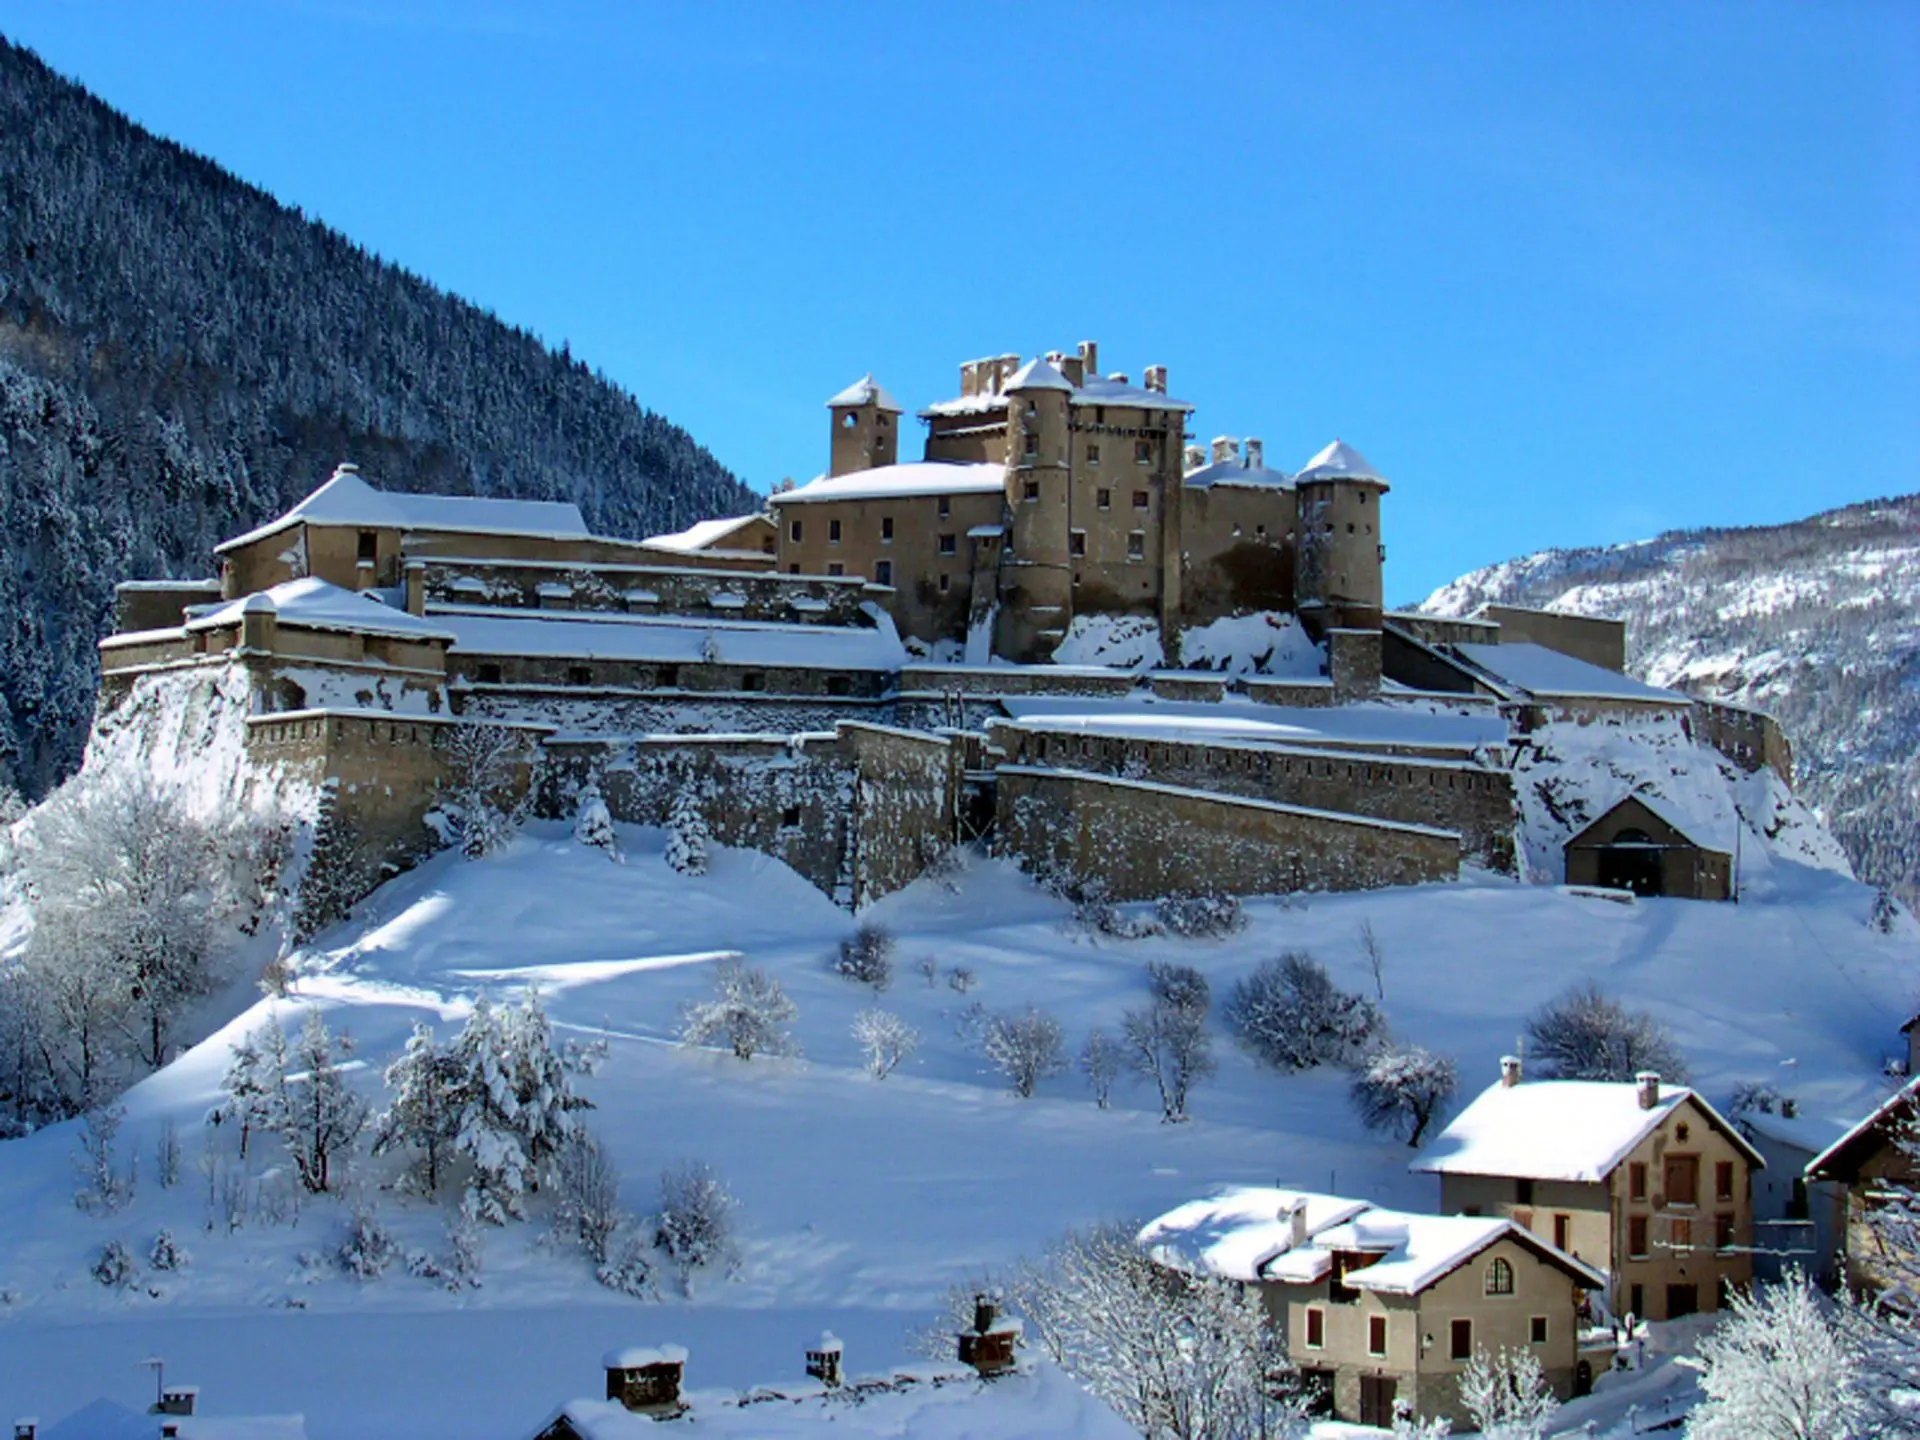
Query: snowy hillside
{"points": [[1817, 622], [861, 1201]]}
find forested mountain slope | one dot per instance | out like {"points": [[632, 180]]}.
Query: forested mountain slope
{"points": [[182, 356], [1817, 622]]}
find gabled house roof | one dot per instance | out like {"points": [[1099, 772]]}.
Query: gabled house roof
{"points": [[347, 500], [315, 604], [705, 535], [1522, 666], [1694, 832], [885, 482], [1842, 1159], [1572, 1130]]}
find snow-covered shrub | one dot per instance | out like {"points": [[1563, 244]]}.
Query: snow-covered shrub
{"points": [[694, 1227], [586, 1196], [1887, 910], [886, 1040], [749, 1010], [866, 956], [1507, 1394], [369, 1247], [961, 979], [1100, 1061], [1409, 1426], [1759, 1097], [167, 1253], [483, 762], [425, 1087], [687, 837], [929, 968], [1167, 1042], [253, 1088], [1400, 1090], [466, 1254], [104, 1187], [1585, 1035], [114, 1266], [593, 824], [1026, 1047], [1174, 1355], [320, 1116], [1180, 986], [629, 1268], [276, 978], [1097, 915], [1778, 1365], [1289, 1014], [1201, 917]]}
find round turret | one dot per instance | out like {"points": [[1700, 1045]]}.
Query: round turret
{"points": [[1338, 545], [1037, 607]]}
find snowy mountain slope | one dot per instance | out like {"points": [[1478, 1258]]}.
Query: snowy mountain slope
{"points": [[1817, 622], [862, 1201]]}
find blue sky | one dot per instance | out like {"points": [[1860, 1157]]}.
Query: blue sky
{"points": [[1567, 274]]}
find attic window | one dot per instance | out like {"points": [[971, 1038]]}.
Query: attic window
{"points": [[1499, 1277], [1031, 490], [369, 546], [1033, 442]]}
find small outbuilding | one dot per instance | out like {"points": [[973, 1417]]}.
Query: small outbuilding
{"points": [[1634, 846]]}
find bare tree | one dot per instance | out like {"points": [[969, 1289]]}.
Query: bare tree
{"points": [[483, 766], [1168, 1043], [586, 1193], [886, 1038], [320, 1115], [1289, 1014], [694, 1228], [1585, 1035], [1376, 959], [1100, 1062], [1507, 1394], [1026, 1048], [749, 1010]]}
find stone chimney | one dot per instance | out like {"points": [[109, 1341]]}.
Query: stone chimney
{"points": [[1226, 450], [1510, 1071], [1120, 377], [27, 1427], [1789, 1108], [823, 1360], [1157, 379], [1195, 458], [1075, 369], [1297, 1224], [970, 378], [178, 1400], [988, 1346], [646, 1379], [169, 1430], [1256, 455], [1090, 356], [259, 622], [1649, 1089]]}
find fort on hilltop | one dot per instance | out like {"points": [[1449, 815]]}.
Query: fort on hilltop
{"points": [[1136, 665]]}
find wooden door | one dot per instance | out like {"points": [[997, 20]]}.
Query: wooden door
{"points": [[1376, 1400], [1682, 1300]]}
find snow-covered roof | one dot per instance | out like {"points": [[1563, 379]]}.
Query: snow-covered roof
{"points": [[348, 500], [866, 390], [577, 635], [1038, 374], [640, 1357], [1094, 390], [1838, 1160], [1339, 461], [1710, 831], [1522, 665], [706, 535], [1203, 722], [920, 477], [1233, 472], [315, 604], [1248, 1233], [1810, 1134], [108, 1420], [1572, 1130]]}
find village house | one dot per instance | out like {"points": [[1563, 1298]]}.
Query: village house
{"points": [[1643, 1182], [1637, 844], [1878, 1162], [1798, 1223], [1379, 1307]]}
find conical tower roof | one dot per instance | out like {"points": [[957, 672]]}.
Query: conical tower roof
{"points": [[1038, 374], [1339, 461], [866, 390]]}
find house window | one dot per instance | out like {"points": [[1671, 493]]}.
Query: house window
{"points": [[1103, 498], [667, 676], [1636, 1239], [836, 568], [790, 817], [1563, 1232], [793, 532], [1500, 1276], [945, 582], [833, 532], [1462, 1338], [752, 680], [1093, 454], [369, 547], [1077, 543], [946, 506], [1030, 490], [1140, 500], [839, 685], [1723, 1231], [793, 569], [579, 675], [1376, 1334], [1537, 1330], [1033, 442], [1683, 1179], [1143, 452], [488, 674], [1637, 1180], [948, 545], [1316, 1328], [1681, 1236], [886, 529], [1137, 545], [1723, 1180], [883, 572]]}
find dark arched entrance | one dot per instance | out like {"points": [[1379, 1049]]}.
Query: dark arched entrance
{"points": [[1631, 861]]}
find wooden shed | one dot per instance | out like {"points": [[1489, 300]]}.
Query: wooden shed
{"points": [[1632, 846]]}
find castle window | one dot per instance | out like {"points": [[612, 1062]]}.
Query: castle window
{"points": [[839, 685], [886, 529], [1143, 452], [946, 506], [794, 569], [1077, 543], [1103, 498], [667, 677], [1137, 545], [793, 532], [1033, 442], [1031, 490], [833, 532], [881, 417], [1093, 454], [948, 545], [790, 817], [369, 547], [1500, 1277], [945, 581], [836, 568], [487, 674], [752, 680], [883, 572], [1140, 500], [1636, 1237], [579, 675]]}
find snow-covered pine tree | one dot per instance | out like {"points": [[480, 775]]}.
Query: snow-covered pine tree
{"points": [[593, 824], [320, 1115], [687, 836], [489, 1130], [546, 1116], [255, 1083], [423, 1110]]}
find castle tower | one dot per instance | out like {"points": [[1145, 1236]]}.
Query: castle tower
{"points": [[1338, 546], [1036, 576], [866, 427]]}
